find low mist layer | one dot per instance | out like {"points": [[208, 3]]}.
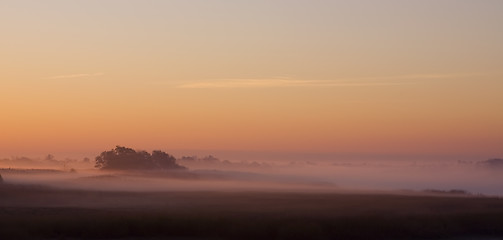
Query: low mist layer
{"points": [[213, 174]]}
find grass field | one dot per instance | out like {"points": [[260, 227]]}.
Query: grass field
{"points": [[31, 212]]}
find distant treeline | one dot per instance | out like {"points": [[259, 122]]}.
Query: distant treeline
{"points": [[494, 163], [452, 191]]}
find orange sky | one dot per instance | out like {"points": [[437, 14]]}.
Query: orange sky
{"points": [[415, 77]]}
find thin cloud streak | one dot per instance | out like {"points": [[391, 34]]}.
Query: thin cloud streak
{"points": [[285, 82], [81, 75]]}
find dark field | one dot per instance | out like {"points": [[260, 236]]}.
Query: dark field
{"points": [[31, 212]]}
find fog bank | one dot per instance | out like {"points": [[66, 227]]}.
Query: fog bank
{"points": [[213, 174]]}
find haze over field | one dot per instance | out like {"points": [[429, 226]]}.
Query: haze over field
{"points": [[365, 94], [213, 174]]}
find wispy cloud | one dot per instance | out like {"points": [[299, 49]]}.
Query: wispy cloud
{"points": [[80, 75], [287, 82]]}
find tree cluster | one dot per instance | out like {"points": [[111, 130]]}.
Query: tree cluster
{"points": [[123, 158]]}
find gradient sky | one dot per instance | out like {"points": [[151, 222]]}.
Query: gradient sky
{"points": [[363, 77]]}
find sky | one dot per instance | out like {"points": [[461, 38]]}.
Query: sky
{"points": [[370, 78]]}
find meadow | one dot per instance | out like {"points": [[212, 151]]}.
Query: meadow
{"points": [[38, 212]]}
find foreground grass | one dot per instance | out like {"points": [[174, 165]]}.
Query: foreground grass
{"points": [[37, 213]]}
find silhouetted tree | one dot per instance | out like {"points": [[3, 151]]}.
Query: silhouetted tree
{"points": [[164, 160], [1, 179], [49, 157], [128, 158]]}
